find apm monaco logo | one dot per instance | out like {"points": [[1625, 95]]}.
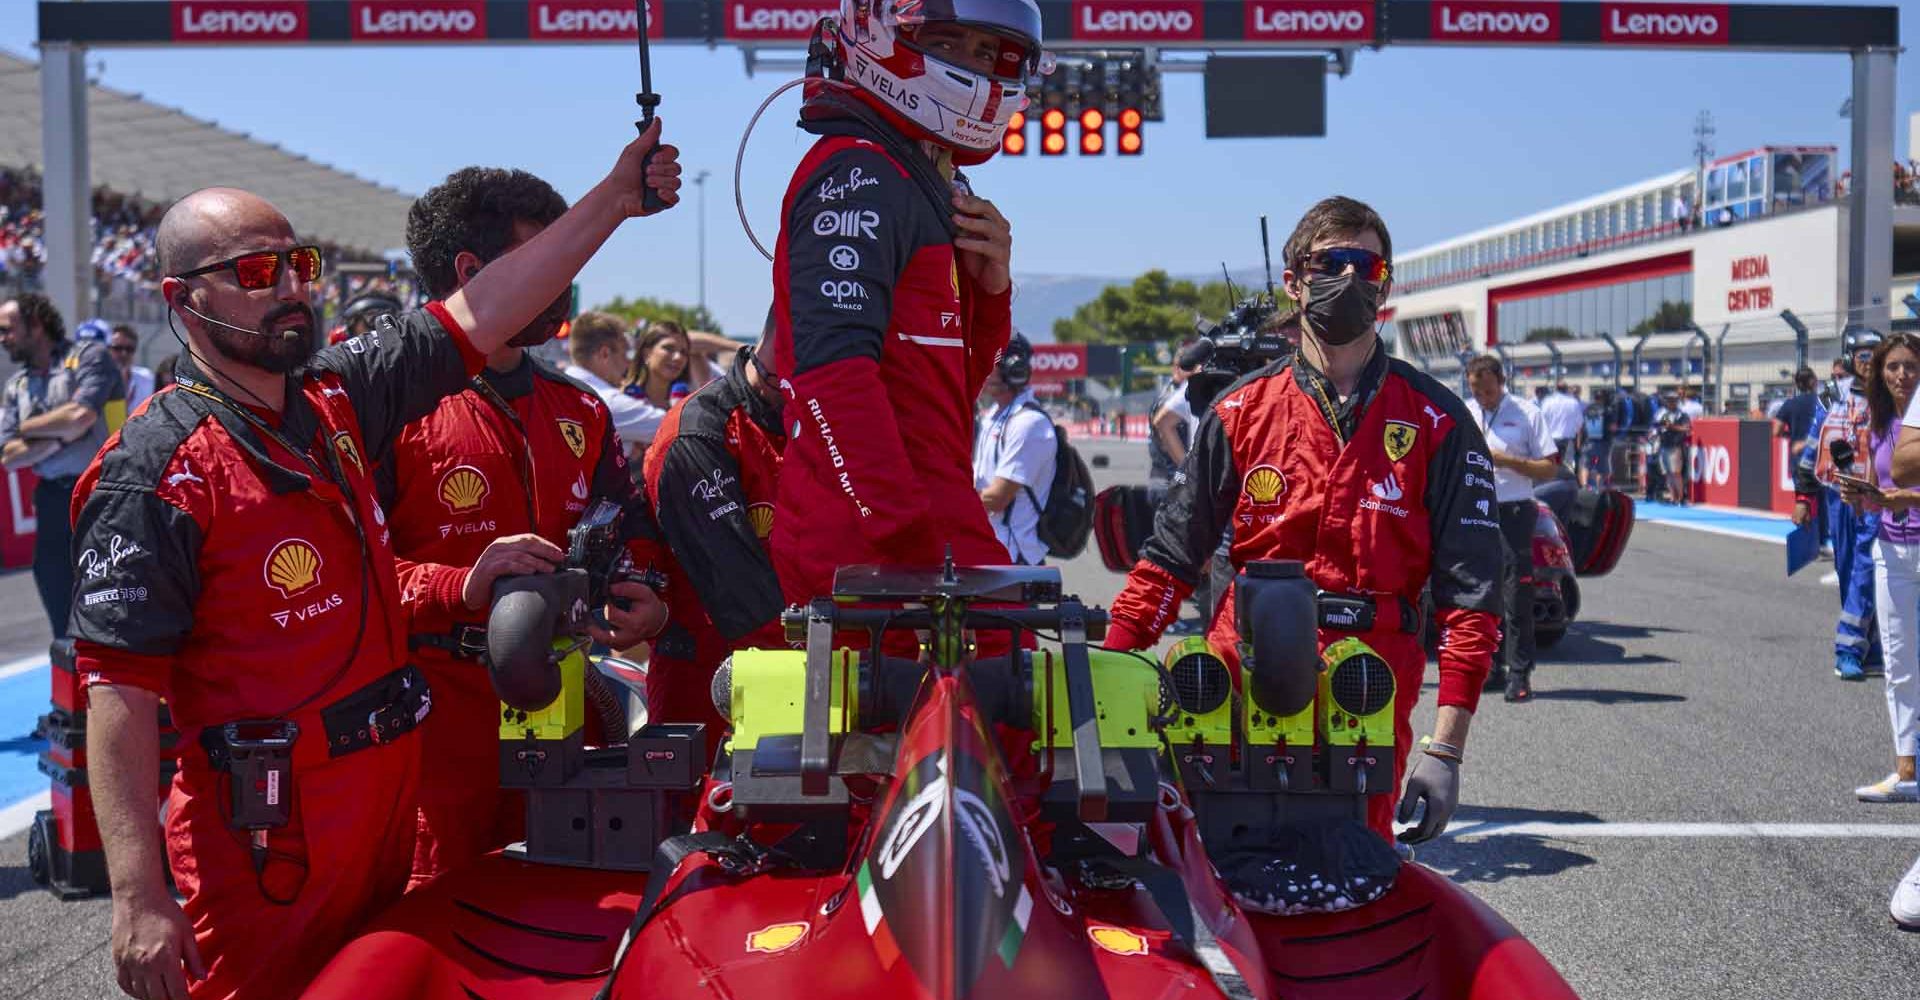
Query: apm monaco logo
{"points": [[1138, 20], [419, 20], [1333, 21], [776, 20], [1489, 21], [1664, 23], [590, 20], [240, 21]]}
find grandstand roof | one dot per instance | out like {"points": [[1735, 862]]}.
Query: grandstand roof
{"points": [[161, 153], [1648, 186]]}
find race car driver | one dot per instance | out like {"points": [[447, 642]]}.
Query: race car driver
{"points": [[234, 560], [711, 474], [488, 485], [1368, 471], [891, 287]]}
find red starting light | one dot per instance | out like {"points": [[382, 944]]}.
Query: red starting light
{"points": [[1054, 119], [1053, 134], [1014, 143], [1130, 142], [1053, 144], [1092, 143], [1093, 119]]}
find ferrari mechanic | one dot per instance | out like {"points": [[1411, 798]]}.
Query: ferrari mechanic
{"points": [[485, 486], [1365, 469], [234, 559], [891, 286]]}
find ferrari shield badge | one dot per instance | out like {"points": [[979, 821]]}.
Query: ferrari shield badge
{"points": [[1399, 438], [575, 436]]}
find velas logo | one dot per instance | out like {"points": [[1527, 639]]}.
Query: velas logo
{"points": [[1333, 21], [463, 488], [418, 20], [1137, 20], [1664, 23], [1492, 21], [775, 20], [292, 567], [589, 20], [240, 21]]}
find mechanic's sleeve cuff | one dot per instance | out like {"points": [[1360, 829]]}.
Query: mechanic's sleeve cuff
{"points": [[470, 356], [97, 664], [1468, 642], [437, 592]]}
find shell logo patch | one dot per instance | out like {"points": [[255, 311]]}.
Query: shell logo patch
{"points": [[1117, 940], [343, 443], [776, 938], [1399, 438], [463, 488], [293, 567], [760, 515], [1264, 484], [575, 436]]}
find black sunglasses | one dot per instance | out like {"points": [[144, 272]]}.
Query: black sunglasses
{"points": [[261, 269]]}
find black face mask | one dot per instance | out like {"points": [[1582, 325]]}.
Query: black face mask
{"points": [[1340, 310]]}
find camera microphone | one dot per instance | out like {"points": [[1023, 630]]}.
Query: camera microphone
{"points": [[284, 334]]}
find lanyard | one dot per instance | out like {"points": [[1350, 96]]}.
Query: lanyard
{"points": [[525, 452]]}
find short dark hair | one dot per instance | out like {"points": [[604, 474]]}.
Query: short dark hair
{"points": [[1338, 214], [1803, 379], [122, 328], [1483, 364], [38, 310], [593, 330], [474, 210]]}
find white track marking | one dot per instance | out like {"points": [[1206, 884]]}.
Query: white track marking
{"points": [[24, 665], [1791, 831], [19, 816]]}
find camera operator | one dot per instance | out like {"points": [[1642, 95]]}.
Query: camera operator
{"points": [[487, 486], [234, 560], [1364, 468], [1524, 452]]}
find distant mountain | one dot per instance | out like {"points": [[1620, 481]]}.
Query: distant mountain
{"points": [[1039, 299]]}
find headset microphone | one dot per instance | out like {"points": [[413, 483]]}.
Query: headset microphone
{"points": [[284, 334]]}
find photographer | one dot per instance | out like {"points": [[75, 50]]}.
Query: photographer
{"points": [[1362, 467], [487, 486], [234, 560]]}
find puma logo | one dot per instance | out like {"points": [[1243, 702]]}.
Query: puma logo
{"points": [[185, 475], [1436, 416]]}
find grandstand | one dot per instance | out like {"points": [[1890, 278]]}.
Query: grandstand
{"points": [[146, 155], [1681, 278]]}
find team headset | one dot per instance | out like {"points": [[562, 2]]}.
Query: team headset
{"points": [[1015, 364], [331, 471]]}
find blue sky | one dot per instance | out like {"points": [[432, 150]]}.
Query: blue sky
{"points": [[1440, 141]]}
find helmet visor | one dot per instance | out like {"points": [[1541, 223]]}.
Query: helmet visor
{"points": [[1013, 24]]}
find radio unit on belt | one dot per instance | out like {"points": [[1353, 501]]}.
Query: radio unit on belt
{"points": [[257, 756]]}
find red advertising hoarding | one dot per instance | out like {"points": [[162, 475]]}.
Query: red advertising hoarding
{"points": [[1300, 21], [775, 20], [1495, 22], [1715, 475], [1663, 23], [240, 21], [17, 524], [590, 20], [1054, 365], [1137, 21], [418, 20]]}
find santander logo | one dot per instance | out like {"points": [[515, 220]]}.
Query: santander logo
{"points": [[589, 20], [1480, 21], [1156, 20], [419, 21], [235, 21], [776, 19], [1664, 23], [1317, 22]]}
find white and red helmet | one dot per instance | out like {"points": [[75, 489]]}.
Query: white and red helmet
{"points": [[929, 97]]}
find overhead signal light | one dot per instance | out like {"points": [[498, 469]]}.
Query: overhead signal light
{"points": [[1130, 142], [1093, 140], [1014, 143], [1053, 132]]}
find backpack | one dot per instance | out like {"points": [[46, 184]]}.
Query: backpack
{"points": [[1066, 519]]}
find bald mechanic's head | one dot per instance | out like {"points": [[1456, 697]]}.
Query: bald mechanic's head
{"points": [[275, 322]]}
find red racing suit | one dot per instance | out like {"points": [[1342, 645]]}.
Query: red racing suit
{"points": [[710, 475], [882, 343], [237, 563], [1382, 496], [515, 453]]}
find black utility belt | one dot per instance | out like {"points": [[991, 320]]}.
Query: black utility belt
{"points": [[1368, 613], [466, 642]]}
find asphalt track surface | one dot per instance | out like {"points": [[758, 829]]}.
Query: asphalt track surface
{"points": [[1697, 692]]}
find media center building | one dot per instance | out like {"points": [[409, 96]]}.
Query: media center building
{"points": [[1706, 277]]}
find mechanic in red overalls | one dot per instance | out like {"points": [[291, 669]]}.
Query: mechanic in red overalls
{"points": [[1367, 470], [891, 289], [234, 560], [486, 486], [710, 474]]}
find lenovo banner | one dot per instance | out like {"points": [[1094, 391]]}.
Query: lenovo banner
{"points": [[419, 20], [1716, 460], [590, 20], [1491, 22], [1137, 21], [1663, 23], [17, 525], [1332, 21], [775, 20], [1057, 364], [240, 21]]}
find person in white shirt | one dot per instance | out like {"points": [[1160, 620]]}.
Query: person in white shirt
{"points": [[1690, 403], [1564, 414], [598, 345], [1523, 452], [123, 343], [1013, 455]]}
